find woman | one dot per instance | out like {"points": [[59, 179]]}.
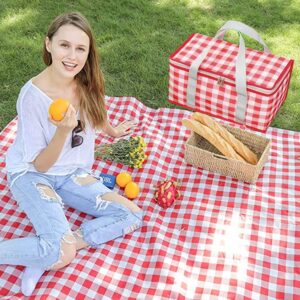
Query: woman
{"points": [[50, 161]]}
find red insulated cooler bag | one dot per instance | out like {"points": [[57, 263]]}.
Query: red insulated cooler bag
{"points": [[229, 81]]}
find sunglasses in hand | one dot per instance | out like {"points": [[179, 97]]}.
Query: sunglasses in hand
{"points": [[77, 140]]}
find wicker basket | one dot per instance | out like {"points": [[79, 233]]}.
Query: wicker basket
{"points": [[200, 153]]}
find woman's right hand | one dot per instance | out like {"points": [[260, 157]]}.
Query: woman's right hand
{"points": [[47, 158], [68, 123]]}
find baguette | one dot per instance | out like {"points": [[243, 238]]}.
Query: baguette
{"points": [[236, 144], [215, 139]]}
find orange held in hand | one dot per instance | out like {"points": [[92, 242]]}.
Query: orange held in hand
{"points": [[58, 108], [123, 179], [131, 190]]}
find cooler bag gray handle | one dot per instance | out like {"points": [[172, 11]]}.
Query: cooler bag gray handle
{"points": [[243, 28], [240, 70]]}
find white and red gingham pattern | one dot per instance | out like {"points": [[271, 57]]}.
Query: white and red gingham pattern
{"points": [[263, 71], [223, 239]]}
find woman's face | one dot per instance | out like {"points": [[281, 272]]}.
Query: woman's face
{"points": [[69, 48]]}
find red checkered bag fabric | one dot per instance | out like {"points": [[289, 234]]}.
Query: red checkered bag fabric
{"points": [[223, 239], [215, 92]]}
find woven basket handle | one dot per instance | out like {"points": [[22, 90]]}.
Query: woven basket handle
{"points": [[219, 156], [240, 70]]}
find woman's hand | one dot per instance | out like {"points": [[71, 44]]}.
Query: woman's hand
{"points": [[124, 128], [68, 123], [49, 155]]}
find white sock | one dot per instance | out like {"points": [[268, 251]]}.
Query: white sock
{"points": [[30, 278]]}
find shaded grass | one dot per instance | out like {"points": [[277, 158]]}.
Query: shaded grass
{"points": [[135, 39]]}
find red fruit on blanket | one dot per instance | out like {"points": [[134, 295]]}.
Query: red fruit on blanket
{"points": [[166, 193]]}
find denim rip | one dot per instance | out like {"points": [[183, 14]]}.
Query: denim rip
{"points": [[45, 190]]}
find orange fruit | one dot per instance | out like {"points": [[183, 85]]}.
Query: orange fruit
{"points": [[131, 190], [122, 179], [58, 108]]}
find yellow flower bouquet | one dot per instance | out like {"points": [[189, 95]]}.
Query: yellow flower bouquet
{"points": [[130, 152]]}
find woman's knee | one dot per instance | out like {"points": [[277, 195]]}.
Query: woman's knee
{"points": [[115, 197], [67, 252]]}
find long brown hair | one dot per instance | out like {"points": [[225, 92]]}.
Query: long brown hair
{"points": [[90, 82]]}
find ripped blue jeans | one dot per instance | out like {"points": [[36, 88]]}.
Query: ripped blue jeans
{"points": [[45, 209]]}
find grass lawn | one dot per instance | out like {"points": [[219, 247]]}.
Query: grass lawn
{"points": [[135, 39]]}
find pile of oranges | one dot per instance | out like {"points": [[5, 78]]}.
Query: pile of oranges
{"points": [[131, 189]]}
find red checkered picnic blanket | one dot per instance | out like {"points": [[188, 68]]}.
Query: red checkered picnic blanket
{"points": [[223, 239]]}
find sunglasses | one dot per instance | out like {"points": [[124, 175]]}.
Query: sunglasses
{"points": [[77, 140]]}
